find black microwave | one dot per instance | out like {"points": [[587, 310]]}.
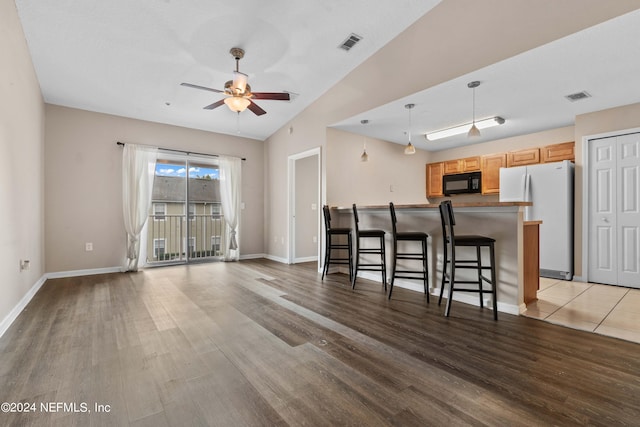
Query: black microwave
{"points": [[462, 183]]}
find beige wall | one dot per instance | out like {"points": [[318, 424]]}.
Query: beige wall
{"points": [[435, 49], [388, 176], [611, 120], [21, 166], [83, 183]]}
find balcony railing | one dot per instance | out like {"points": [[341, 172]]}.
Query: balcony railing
{"points": [[174, 238]]}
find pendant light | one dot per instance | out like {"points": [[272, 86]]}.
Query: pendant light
{"points": [[409, 149], [364, 157], [474, 132]]}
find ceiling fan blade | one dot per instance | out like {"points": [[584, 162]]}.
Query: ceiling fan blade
{"points": [[200, 87], [256, 109], [278, 96], [214, 105]]}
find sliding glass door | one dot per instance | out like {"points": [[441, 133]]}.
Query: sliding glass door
{"points": [[185, 220]]}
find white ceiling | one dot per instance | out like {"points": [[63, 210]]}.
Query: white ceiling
{"points": [[128, 58], [527, 90]]}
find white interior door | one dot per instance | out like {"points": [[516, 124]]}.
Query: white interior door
{"points": [[602, 211], [628, 219], [614, 210]]}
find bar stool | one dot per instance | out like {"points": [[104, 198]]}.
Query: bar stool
{"points": [[452, 241], [331, 245], [409, 236], [380, 250]]}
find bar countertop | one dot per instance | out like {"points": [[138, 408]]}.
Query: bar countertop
{"points": [[435, 205]]}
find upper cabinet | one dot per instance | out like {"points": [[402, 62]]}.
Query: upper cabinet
{"points": [[491, 165], [469, 164], [452, 166], [558, 152], [435, 171], [530, 156]]}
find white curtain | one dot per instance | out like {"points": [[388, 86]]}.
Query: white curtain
{"points": [[230, 180], [138, 170]]}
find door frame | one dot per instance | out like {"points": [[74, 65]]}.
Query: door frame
{"points": [[291, 201], [585, 193]]}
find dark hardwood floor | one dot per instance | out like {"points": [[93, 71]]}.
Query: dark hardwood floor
{"points": [[262, 343]]}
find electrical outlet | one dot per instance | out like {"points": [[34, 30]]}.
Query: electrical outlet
{"points": [[315, 239], [24, 264], [88, 247]]}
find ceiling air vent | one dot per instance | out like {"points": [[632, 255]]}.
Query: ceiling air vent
{"points": [[578, 96], [350, 41]]}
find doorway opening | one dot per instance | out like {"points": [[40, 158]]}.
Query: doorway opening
{"points": [[304, 202]]}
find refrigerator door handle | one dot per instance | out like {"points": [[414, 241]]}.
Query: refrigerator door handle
{"points": [[527, 196]]}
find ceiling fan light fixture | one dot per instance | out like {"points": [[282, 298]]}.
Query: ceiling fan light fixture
{"points": [[238, 91], [237, 103], [465, 128], [239, 82]]}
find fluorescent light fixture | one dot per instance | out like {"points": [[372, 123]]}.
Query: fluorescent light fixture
{"points": [[457, 130]]}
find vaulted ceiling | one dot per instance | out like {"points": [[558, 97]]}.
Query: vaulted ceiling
{"points": [[128, 58]]}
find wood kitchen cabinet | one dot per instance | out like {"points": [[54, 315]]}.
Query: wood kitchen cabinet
{"points": [[531, 265], [491, 165], [529, 156], [471, 164], [452, 166], [558, 152], [435, 171]]}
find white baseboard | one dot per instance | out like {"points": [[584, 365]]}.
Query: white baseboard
{"points": [[305, 259], [252, 256], [277, 259], [88, 272], [13, 314]]}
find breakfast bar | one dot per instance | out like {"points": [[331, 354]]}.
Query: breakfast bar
{"points": [[503, 221]]}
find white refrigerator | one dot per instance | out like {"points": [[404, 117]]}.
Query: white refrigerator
{"points": [[550, 187]]}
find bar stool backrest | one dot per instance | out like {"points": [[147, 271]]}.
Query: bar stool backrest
{"points": [[327, 218], [394, 220], [446, 217], [355, 217]]}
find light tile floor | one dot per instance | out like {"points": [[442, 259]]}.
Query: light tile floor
{"points": [[602, 309]]}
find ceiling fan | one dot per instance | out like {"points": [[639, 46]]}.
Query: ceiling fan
{"points": [[238, 92]]}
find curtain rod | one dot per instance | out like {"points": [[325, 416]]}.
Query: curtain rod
{"points": [[181, 151]]}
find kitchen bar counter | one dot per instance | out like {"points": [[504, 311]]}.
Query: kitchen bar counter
{"points": [[504, 221], [435, 205]]}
